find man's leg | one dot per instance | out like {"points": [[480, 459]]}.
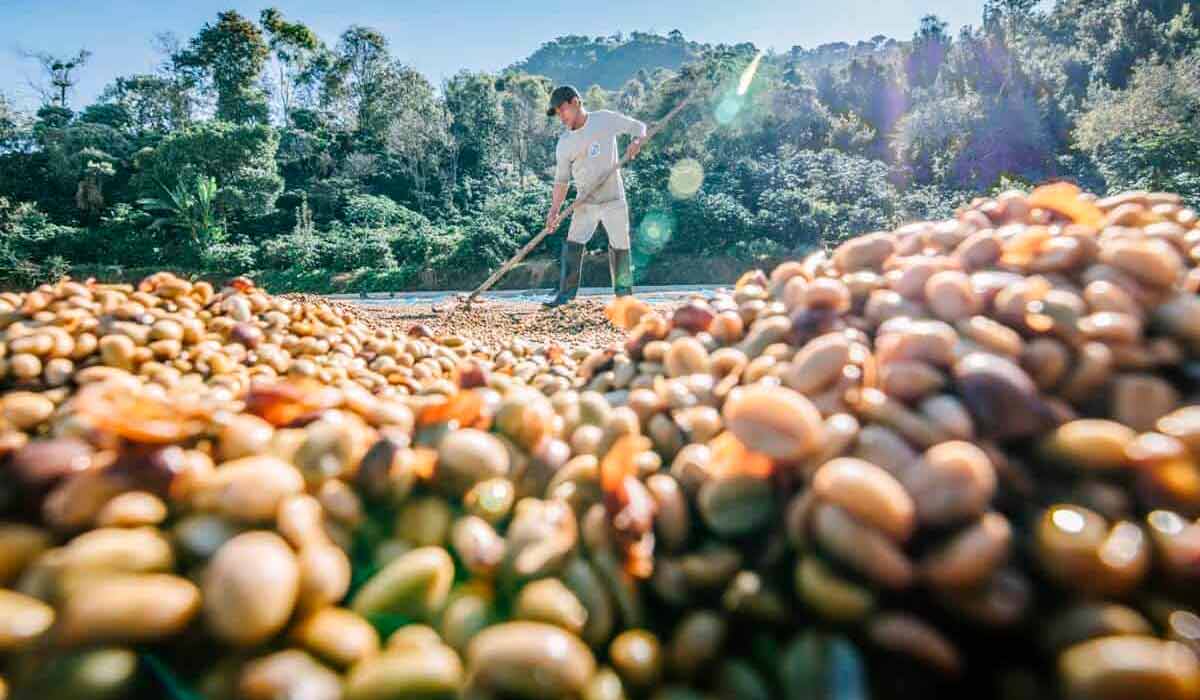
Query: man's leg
{"points": [[583, 227], [620, 264]]}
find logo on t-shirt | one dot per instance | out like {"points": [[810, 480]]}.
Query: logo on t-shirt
{"points": [[594, 150]]}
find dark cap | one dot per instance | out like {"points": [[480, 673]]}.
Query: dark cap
{"points": [[561, 94]]}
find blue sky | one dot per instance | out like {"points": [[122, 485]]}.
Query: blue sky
{"points": [[441, 37]]}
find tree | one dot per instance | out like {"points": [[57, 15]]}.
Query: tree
{"points": [[11, 124], [418, 129], [1148, 135], [59, 76], [805, 199], [528, 134], [240, 157], [924, 58], [1114, 36], [1007, 15], [595, 97], [351, 76], [153, 103], [608, 61], [929, 138], [477, 122], [230, 55], [870, 89], [632, 96], [82, 156], [293, 47]]}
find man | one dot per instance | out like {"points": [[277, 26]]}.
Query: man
{"points": [[586, 152]]}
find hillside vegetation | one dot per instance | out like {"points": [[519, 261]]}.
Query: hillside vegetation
{"points": [[257, 148]]}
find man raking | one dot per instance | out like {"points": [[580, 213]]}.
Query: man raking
{"points": [[587, 153]]}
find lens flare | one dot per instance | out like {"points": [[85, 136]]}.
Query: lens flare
{"points": [[686, 177], [748, 74], [728, 108], [654, 232]]}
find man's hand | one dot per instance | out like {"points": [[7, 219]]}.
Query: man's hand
{"points": [[635, 147], [551, 221]]}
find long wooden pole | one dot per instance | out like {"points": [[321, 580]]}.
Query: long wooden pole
{"points": [[533, 243]]}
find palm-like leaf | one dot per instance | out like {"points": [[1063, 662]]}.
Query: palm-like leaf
{"points": [[190, 209]]}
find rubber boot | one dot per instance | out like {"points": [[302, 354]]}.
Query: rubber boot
{"points": [[621, 269], [568, 281]]}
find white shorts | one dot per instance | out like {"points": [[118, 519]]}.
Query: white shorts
{"points": [[615, 217]]}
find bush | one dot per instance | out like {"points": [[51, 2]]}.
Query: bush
{"points": [[929, 139], [486, 244], [809, 198], [55, 268], [122, 235], [424, 247], [374, 211], [228, 258], [27, 234], [294, 251], [709, 223], [28, 246], [344, 248], [240, 156], [759, 249], [931, 203]]}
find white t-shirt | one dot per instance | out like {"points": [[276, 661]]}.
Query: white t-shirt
{"points": [[590, 151]]}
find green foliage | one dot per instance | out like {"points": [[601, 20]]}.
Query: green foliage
{"points": [[930, 138], [231, 55], [1160, 159], [30, 245], [410, 237], [351, 76], [1148, 134], [972, 140], [152, 103], [528, 132], [709, 221], [340, 168], [191, 209], [925, 56], [297, 250], [9, 123], [1114, 36], [484, 244], [124, 234], [756, 249], [869, 91], [294, 48], [608, 61], [422, 247], [230, 259], [810, 198], [344, 248], [476, 126], [240, 157], [114, 116], [933, 202], [375, 211], [74, 151]]}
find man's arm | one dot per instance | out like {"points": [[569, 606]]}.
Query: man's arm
{"points": [[560, 193], [629, 125], [633, 127], [562, 182]]}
